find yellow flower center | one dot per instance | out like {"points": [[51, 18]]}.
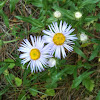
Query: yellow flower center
{"points": [[35, 54], [59, 39]]}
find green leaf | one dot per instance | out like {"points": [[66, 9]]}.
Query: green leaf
{"points": [[91, 18], [79, 79], [34, 90], [5, 18], [13, 4], [9, 78], [85, 44], [97, 27], [95, 41], [33, 21], [98, 96], [11, 65], [50, 92], [9, 60], [87, 2], [2, 69], [45, 5], [22, 96], [3, 91], [89, 84], [94, 53], [18, 81], [78, 51], [37, 3], [2, 4], [33, 93]]}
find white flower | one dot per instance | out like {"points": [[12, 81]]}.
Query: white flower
{"points": [[83, 37], [52, 62], [36, 54], [57, 14], [59, 38], [78, 15]]}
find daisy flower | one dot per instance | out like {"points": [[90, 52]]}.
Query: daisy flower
{"points": [[59, 38], [36, 54]]}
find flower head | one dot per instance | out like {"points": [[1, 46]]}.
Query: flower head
{"points": [[83, 37], [57, 14], [78, 15], [36, 54], [52, 62], [59, 38]]}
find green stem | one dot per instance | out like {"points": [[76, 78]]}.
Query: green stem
{"points": [[10, 41]]}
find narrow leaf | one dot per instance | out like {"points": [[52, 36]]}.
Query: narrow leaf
{"points": [[2, 4], [5, 18], [87, 2], [3, 91], [2, 69], [78, 51], [13, 4], [98, 96], [30, 20], [79, 79], [94, 53]]}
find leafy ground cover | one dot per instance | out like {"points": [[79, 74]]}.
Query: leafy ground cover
{"points": [[77, 77]]}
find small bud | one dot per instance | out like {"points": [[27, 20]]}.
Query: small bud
{"points": [[57, 14], [83, 37], [52, 62], [99, 60], [78, 15]]}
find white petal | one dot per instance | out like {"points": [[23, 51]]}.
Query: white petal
{"points": [[27, 42], [69, 32], [64, 27], [56, 27], [25, 60], [60, 27], [47, 39], [24, 55], [32, 39], [63, 52], [69, 48], [68, 28], [57, 52]]}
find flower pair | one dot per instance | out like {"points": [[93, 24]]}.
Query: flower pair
{"points": [[56, 39]]}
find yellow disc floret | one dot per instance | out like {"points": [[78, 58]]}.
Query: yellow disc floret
{"points": [[35, 54], [59, 39]]}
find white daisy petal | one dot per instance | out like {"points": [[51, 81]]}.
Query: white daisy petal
{"points": [[33, 43], [68, 28], [69, 48], [57, 52], [63, 52], [60, 39], [64, 26], [36, 55], [56, 27], [24, 55], [60, 26]]}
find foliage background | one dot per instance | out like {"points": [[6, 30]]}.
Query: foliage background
{"points": [[75, 78]]}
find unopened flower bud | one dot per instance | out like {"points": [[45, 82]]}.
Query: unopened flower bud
{"points": [[57, 14], [83, 37], [78, 15], [52, 62]]}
